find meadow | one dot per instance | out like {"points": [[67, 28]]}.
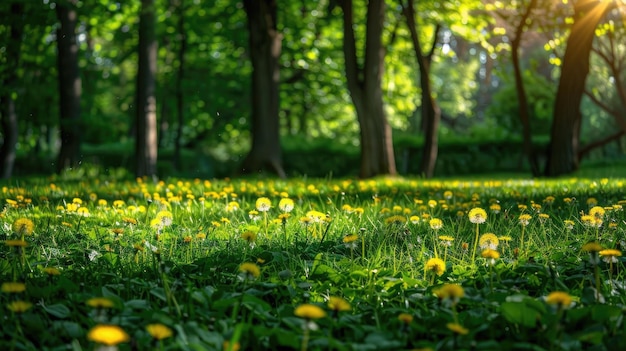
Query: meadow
{"points": [[98, 262]]}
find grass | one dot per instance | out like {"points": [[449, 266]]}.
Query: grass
{"points": [[92, 262]]}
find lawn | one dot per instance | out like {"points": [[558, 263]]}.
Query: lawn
{"points": [[96, 262]]}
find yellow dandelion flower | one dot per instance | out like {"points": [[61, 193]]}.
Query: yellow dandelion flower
{"points": [[490, 254], [592, 201], [309, 311], [569, 224], [610, 255], [226, 346], [559, 298], [249, 236], [350, 238], [450, 291], [19, 306], [488, 241], [13, 287], [100, 302], [159, 331], [524, 219], [435, 224], [395, 220], [263, 204], [23, 226], [592, 246], [51, 271], [495, 208], [597, 212], [457, 328], [338, 304], [477, 215], [16, 243], [405, 318], [436, 265], [250, 270], [286, 205], [414, 219], [107, 334]]}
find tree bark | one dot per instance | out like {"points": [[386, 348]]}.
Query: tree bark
{"points": [[8, 115], [565, 135], [146, 121], [431, 113], [265, 47], [364, 84], [180, 103], [522, 100], [69, 85]]}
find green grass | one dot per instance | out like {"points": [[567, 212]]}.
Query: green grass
{"points": [[183, 255]]}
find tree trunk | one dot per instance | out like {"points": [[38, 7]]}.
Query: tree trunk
{"points": [[564, 142], [8, 115], [69, 85], [265, 47], [364, 84], [146, 121], [431, 113], [522, 100], [180, 103]]}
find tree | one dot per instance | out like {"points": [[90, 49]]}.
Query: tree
{"points": [[431, 113], [364, 84], [8, 115], [524, 113], [264, 48], [69, 84], [146, 121], [565, 135]]}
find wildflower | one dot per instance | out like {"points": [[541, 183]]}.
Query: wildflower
{"points": [[338, 304], [543, 217], [286, 205], [316, 216], [350, 240], [19, 306], [559, 298], [397, 220], [505, 238], [436, 265], [16, 243], [435, 224], [432, 203], [524, 219], [489, 253], [109, 335], [250, 270], [592, 246], [405, 318], [488, 241], [165, 218], [249, 236], [457, 328], [129, 220], [100, 302], [592, 201], [263, 204], [451, 292], [477, 215], [226, 346], [549, 200], [159, 331], [569, 224], [414, 219], [13, 287], [446, 240], [447, 194], [51, 271], [597, 212], [610, 255], [309, 311], [254, 215], [23, 226], [495, 208]]}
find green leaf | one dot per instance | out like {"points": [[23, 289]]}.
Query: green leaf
{"points": [[58, 310], [519, 313]]}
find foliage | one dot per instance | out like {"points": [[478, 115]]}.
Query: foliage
{"points": [[90, 259]]}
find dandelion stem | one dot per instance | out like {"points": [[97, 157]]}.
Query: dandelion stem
{"points": [[475, 243]]}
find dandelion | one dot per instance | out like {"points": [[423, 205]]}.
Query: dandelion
{"points": [[51, 271], [446, 240], [488, 241], [524, 219], [19, 306], [405, 318], [610, 255], [569, 224], [263, 204], [249, 236], [435, 265], [100, 302], [13, 287], [23, 226], [338, 304], [495, 208], [249, 270], [477, 216], [395, 220], [435, 224], [159, 331], [228, 346], [286, 205], [450, 292], [457, 328], [490, 254], [109, 335], [414, 219], [560, 299], [350, 240], [597, 212], [309, 311]]}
